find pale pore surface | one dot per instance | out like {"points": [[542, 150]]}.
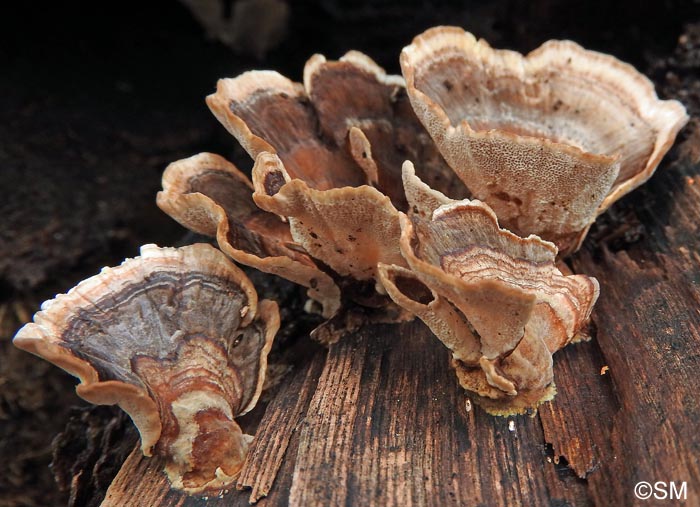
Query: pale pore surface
{"points": [[350, 124], [349, 229], [548, 140]]}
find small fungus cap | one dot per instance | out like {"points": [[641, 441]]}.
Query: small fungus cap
{"points": [[209, 195], [335, 146]]}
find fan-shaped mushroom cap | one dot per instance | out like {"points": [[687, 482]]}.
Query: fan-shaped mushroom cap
{"points": [[349, 124], [175, 337], [322, 148], [549, 140], [504, 291], [350, 229], [209, 195]]}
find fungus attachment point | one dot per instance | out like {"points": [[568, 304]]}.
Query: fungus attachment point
{"points": [[496, 300], [549, 140], [176, 338]]}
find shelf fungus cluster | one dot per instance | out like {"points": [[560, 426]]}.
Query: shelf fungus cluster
{"points": [[539, 145], [496, 300], [326, 185], [450, 194]]}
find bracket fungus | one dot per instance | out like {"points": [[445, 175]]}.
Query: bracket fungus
{"points": [[496, 300], [549, 140], [516, 156], [333, 154], [209, 195], [327, 163], [542, 144], [178, 339]]}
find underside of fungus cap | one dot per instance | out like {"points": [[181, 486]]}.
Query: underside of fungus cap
{"points": [[328, 161], [496, 300], [267, 112], [349, 229], [350, 124], [209, 195], [548, 140], [360, 106], [178, 339]]}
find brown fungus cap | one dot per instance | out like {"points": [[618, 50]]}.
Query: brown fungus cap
{"points": [[209, 195], [328, 157], [548, 140], [350, 229], [495, 299], [176, 338], [349, 124]]}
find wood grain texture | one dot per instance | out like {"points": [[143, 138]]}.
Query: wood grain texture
{"points": [[141, 481], [648, 321], [379, 420], [578, 423], [387, 425], [284, 414]]}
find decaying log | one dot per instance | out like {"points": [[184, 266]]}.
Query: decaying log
{"points": [[380, 420]]}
